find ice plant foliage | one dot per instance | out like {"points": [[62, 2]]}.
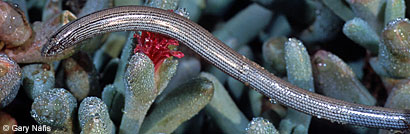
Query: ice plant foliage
{"points": [[156, 46]]}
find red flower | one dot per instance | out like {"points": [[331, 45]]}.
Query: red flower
{"points": [[156, 47]]}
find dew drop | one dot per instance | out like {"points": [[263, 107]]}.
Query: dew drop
{"points": [[182, 12], [245, 69], [322, 64], [273, 101], [15, 5]]}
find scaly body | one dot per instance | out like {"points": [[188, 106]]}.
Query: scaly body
{"points": [[132, 18]]}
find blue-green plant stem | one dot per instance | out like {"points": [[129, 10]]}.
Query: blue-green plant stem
{"points": [[398, 98], [217, 7], [180, 105], [363, 34], [394, 9], [80, 76], [239, 30], [299, 72], [52, 7], [245, 25], [278, 28], [110, 49], [55, 108], [223, 109], [194, 8], [370, 11], [273, 55], [114, 101], [255, 98], [188, 68], [163, 4], [10, 80], [125, 55], [324, 28], [94, 117], [340, 9], [128, 2], [38, 78], [259, 125], [393, 59], [335, 79], [140, 92], [357, 67], [116, 98], [164, 74]]}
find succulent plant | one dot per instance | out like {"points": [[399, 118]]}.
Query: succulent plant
{"points": [[81, 77], [140, 92], [10, 80], [55, 108], [259, 125], [94, 118], [299, 72], [234, 34], [37, 79], [273, 55], [223, 110], [360, 32], [179, 106], [15, 29], [332, 76], [148, 82], [393, 51]]}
